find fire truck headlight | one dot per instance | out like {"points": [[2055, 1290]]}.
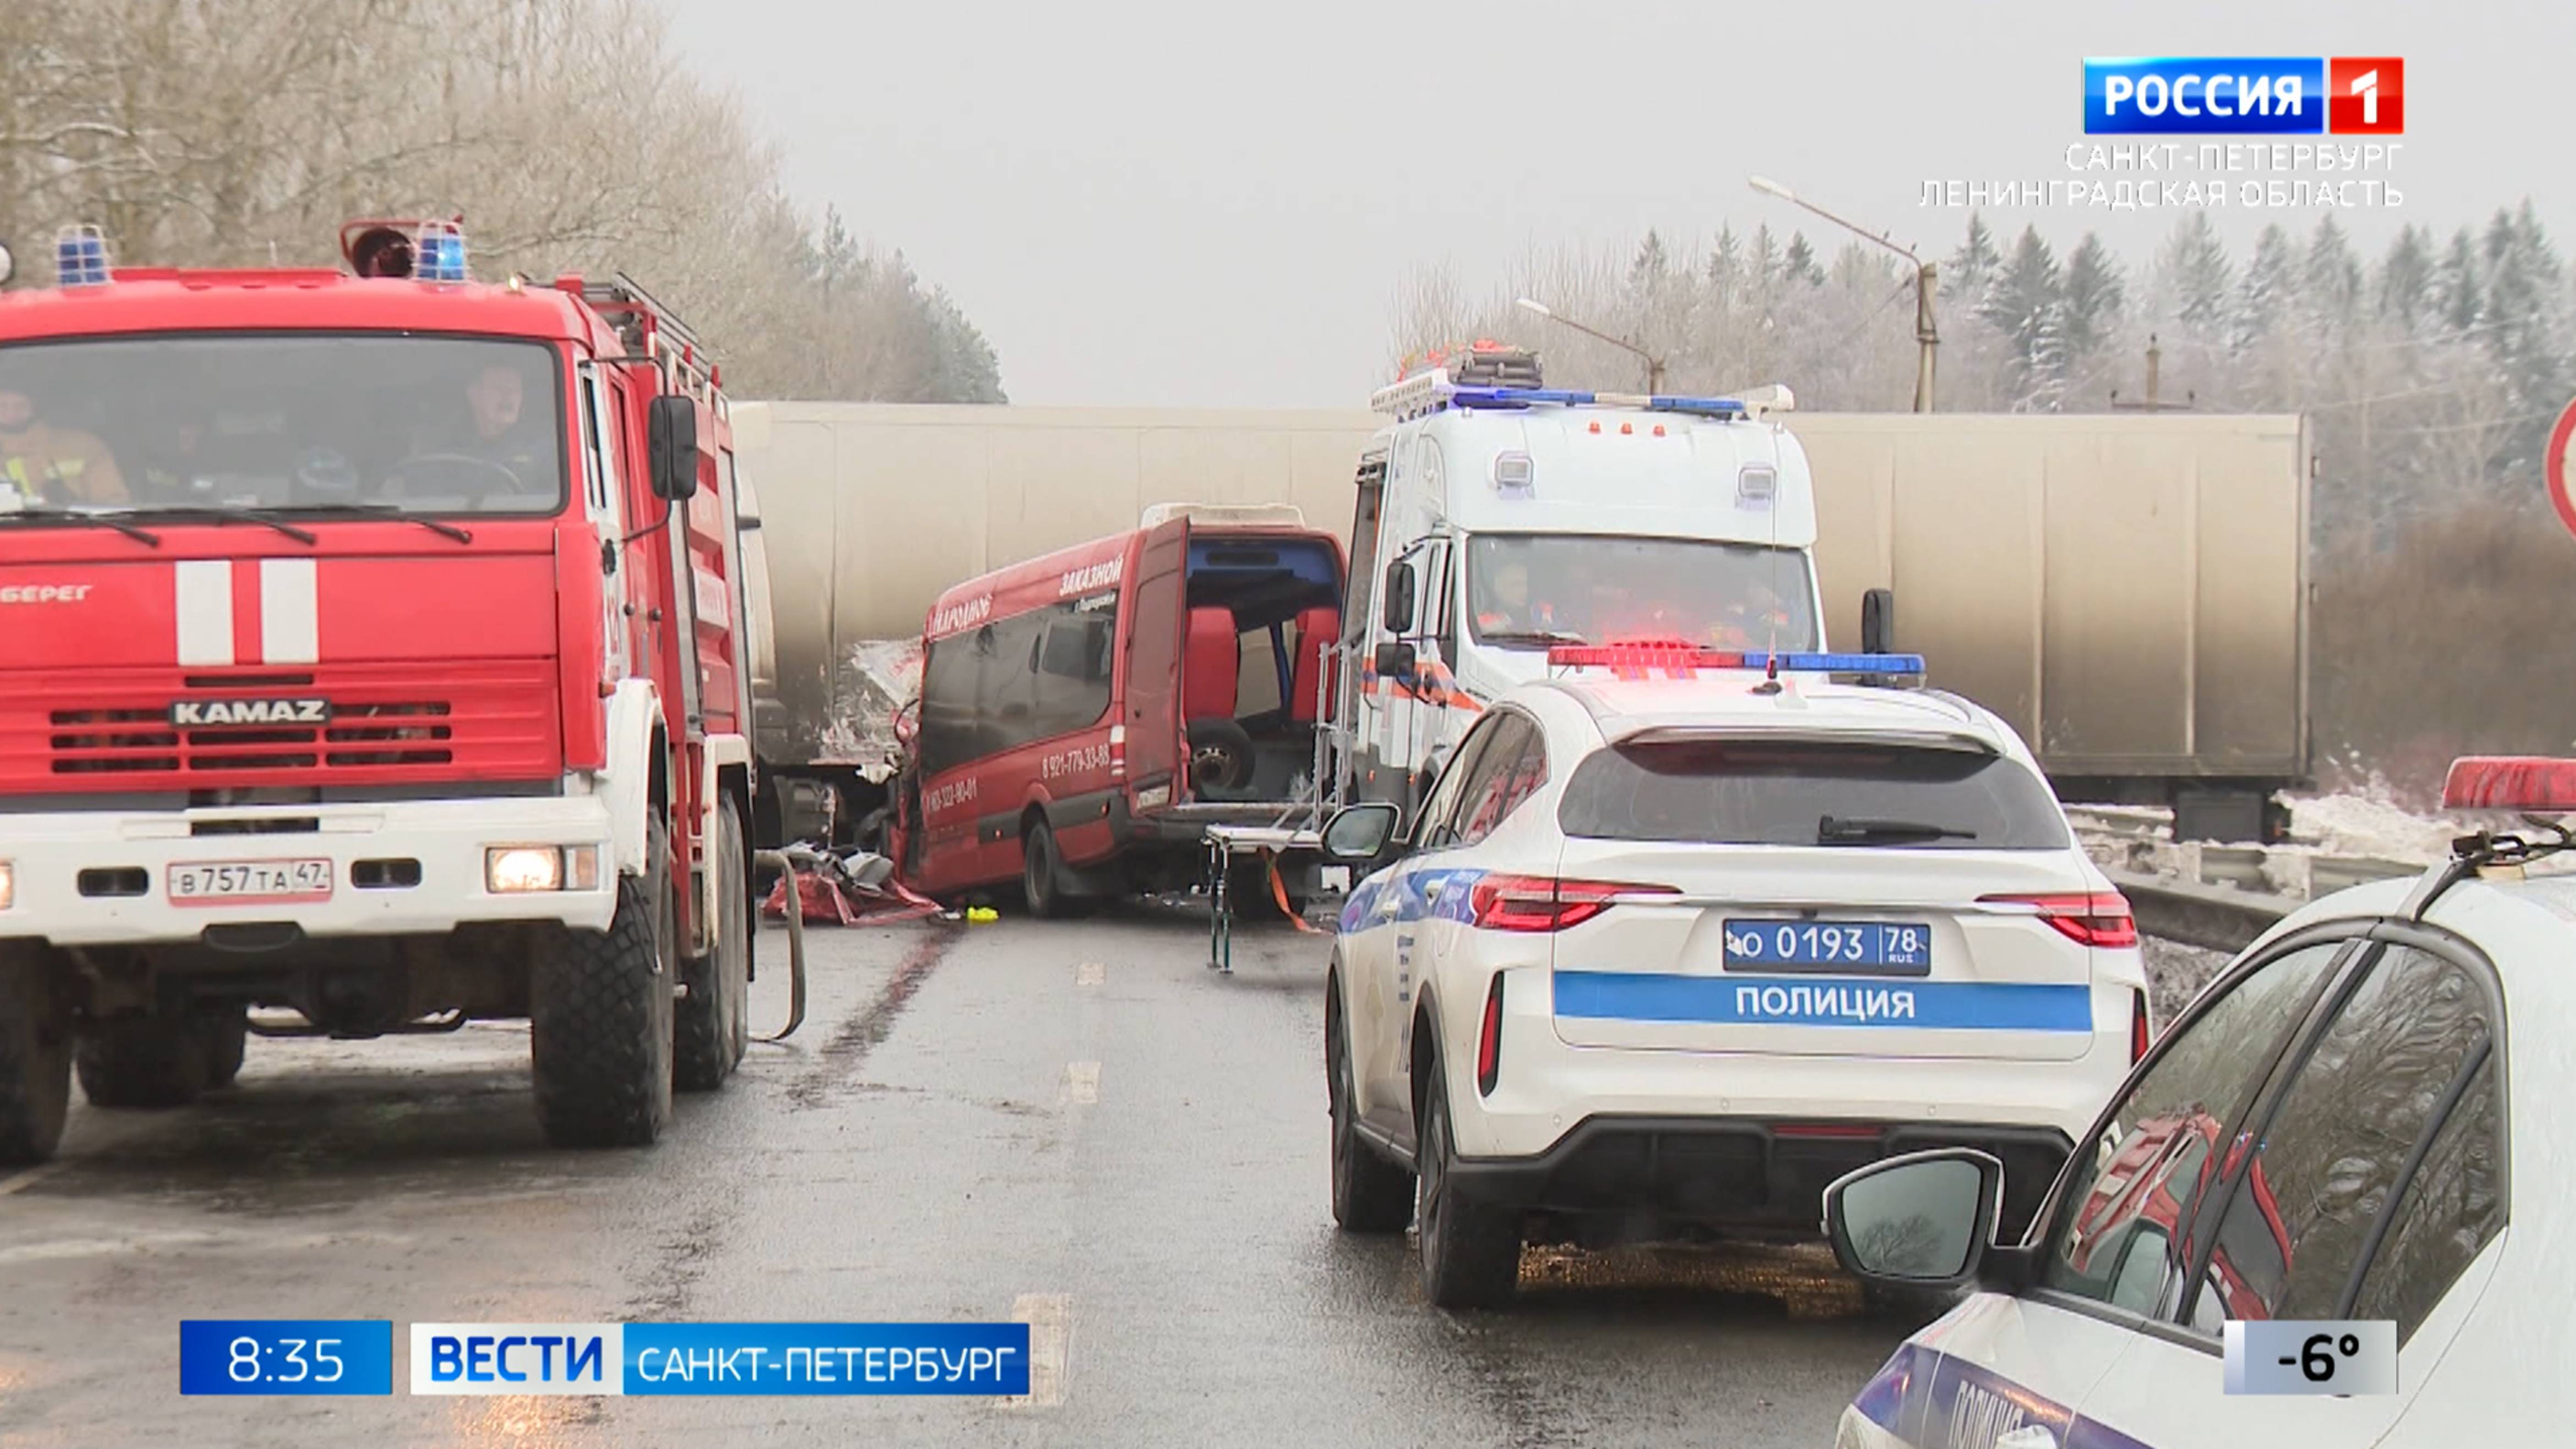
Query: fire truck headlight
{"points": [[8, 884], [520, 869]]}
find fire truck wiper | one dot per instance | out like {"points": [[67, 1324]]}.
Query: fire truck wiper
{"points": [[382, 510], [83, 516], [184, 513]]}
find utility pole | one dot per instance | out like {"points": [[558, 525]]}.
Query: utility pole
{"points": [[1654, 364], [1927, 337], [2155, 370]]}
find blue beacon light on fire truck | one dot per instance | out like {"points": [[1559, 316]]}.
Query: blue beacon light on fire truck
{"points": [[80, 257]]}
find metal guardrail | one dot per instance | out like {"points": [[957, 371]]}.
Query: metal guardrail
{"points": [[2218, 897], [2214, 918]]}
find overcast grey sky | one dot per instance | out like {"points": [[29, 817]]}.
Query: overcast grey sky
{"points": [[1154, 202]]}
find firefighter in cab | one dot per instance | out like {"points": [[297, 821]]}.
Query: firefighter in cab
{"points": [[43, 463]]}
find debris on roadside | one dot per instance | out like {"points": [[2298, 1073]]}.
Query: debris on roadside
{"points": [[835, 890]]}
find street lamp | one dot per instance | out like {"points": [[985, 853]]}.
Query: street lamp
{"points": [[1926, 337], [1654, 364]]}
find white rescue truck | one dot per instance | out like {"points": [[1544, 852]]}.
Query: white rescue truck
{"points": [[1497, 519]]}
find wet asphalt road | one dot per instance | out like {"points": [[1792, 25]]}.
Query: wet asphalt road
{"points": [[1078, 1124]]}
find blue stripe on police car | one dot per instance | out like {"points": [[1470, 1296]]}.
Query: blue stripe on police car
{"points": [[1824, 1001]]}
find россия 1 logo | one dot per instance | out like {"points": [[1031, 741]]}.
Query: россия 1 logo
{"points": [[2245, 95]]}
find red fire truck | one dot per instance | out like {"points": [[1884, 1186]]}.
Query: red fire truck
{"points": [[368, 647]]}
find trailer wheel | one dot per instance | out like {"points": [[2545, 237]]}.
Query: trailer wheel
{"points": [[714, 1017], [223, 1034], [142, 1061], [35, 1062], [600, 1019]]}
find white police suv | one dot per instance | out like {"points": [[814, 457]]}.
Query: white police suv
{"points": [[2356, 1123], [1679, 937]]}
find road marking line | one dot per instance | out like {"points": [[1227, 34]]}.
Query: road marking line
{"points": [[1050, 1320], [1091, 973], [1082, 1083]]}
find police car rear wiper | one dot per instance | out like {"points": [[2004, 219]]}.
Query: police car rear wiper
{"points": [[109, 520], [1832, 830], [384, 510]]}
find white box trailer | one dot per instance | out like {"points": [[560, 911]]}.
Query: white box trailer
{"points": [[2130, 590]]}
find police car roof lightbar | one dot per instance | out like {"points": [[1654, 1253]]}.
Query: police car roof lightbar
{"points": [[1429, 392], [1683, 660], [2530, 783]]}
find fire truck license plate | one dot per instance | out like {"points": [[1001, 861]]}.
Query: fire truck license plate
{"points": [[250, 880]]}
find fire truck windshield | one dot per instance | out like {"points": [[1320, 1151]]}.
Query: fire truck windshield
{"points": [[280, 422], [1526, 591]]}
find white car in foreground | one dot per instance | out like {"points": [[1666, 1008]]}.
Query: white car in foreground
{"points": [[1677, 940], [2360, 1119]]}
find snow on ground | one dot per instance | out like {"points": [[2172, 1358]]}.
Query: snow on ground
{"points": [[2366, 824]]}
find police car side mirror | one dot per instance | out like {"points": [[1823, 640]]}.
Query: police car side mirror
{"points": [[1394, 661], [1397, 616], [671, 443], [1358, 835], [1922, 1220], [1878, 621]]}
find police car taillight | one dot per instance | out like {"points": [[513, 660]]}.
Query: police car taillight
{"points": [[2096, 918], [1544, 903], [2529, 783]]}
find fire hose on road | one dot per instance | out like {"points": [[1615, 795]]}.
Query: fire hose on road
{"points": [[789, 861]]}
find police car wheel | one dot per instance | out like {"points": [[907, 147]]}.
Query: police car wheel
{"points": [[711, 1018], [142, 1061], [35, 1062], [600, 1017], [1370, 1194], [1471, 1252], [223, 1034]]}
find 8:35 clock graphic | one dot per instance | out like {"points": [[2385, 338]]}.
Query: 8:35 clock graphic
{"points": [[286, 1356]]}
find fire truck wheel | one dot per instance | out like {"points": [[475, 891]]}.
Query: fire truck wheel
{"points": [[714, 1016], [224, 1035], [35, 1062], [142, 1061], [600, 1018]]}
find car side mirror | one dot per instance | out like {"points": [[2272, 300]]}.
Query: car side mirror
{"points": [[1394, 661], [1397, 616], [1878, 621], [1922, 1220], [671, 447], [1358, 835]]}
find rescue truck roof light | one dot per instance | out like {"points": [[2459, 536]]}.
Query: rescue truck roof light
{"points": [[1429, 392], [1682, 660], [80, 257], [2530, 783]]}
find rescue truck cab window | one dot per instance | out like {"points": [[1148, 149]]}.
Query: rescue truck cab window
{"points": [[285, 421], [1526, 591]]}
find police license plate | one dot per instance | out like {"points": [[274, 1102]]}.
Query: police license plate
{"points": [[234, 881], [1877, 948]]}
